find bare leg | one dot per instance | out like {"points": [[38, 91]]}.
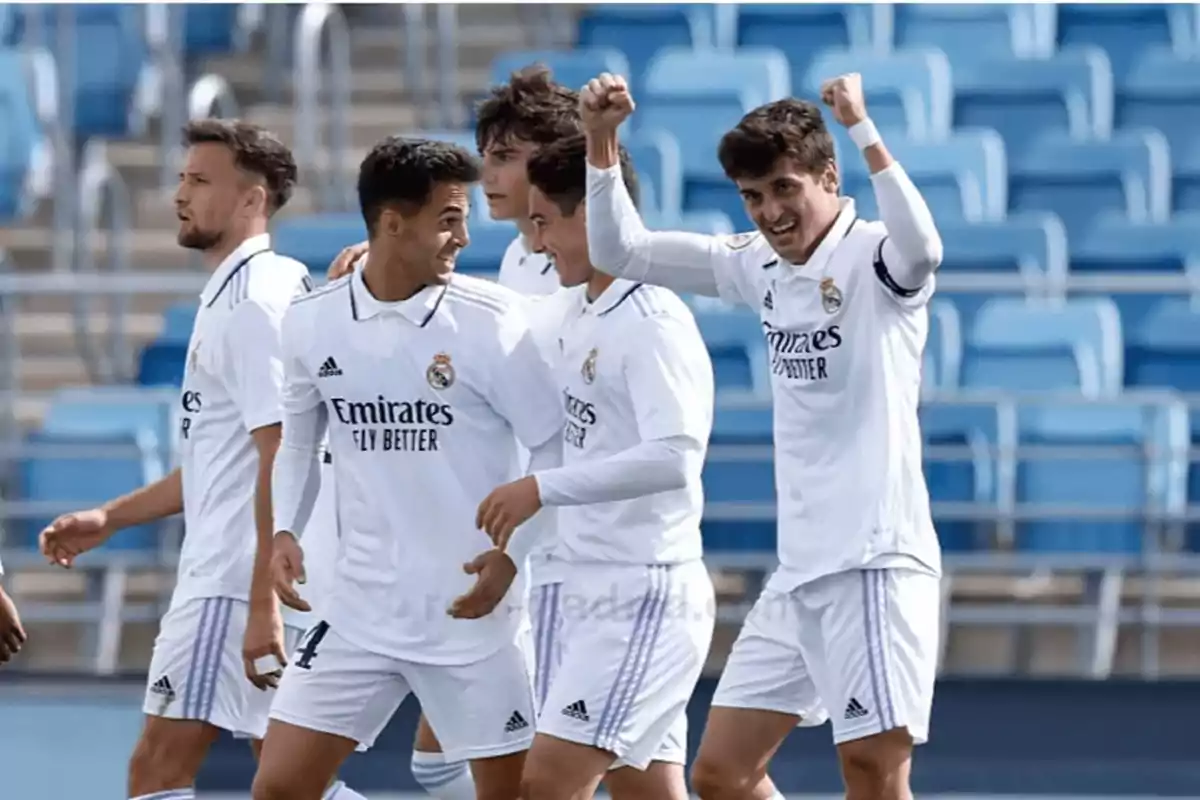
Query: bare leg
{"points": [[168, 754], [297, 763], [737, 746]]}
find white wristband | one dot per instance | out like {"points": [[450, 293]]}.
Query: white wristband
{"points": [[864, 134]]}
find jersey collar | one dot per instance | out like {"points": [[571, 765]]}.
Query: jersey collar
{"points": [[612, 297], [232, 264], [418, 309], [819, 261]]}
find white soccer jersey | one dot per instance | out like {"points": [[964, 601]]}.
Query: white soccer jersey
{"points": [[845, 346], [634, 370], [526, 272], [231, 387], [423, 398]]}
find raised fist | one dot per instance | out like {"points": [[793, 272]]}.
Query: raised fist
{"points": [[844, 96], [605, 103]]}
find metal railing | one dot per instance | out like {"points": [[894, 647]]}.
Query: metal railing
{"points": [[105, 208], [322, 102], [164, 37], [211, 96]]}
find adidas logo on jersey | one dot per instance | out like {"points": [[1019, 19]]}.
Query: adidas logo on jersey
{"points": [[577, 710], [769, 301], [855, 709], [329, 369], [515, 723], [163, 688]]}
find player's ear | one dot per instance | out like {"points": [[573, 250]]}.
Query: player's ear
{"points": [[256, 199], [830, 181], [391, 223]]}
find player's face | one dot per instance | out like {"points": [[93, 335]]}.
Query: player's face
{"points": [[504, 180], [428, 242], [213, 196], [563, 238], [793, 208]]}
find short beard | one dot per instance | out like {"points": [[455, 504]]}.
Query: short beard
{"points": [[196, 239]]}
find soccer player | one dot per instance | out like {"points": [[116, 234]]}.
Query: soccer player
{"points": [[848, 624], [637, 386], [422, 378], [235, 177], [513, 121], [12, 634]]}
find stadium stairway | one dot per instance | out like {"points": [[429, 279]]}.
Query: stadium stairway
{"points": [[381, 104]]}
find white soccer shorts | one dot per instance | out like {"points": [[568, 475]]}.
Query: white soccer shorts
{"points": [[633, 641], [196, 671], [479, 710], [857, 647]]}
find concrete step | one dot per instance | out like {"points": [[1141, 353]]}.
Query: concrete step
{"points": [[52, 335], [46, 374], [478, 44], [368, 123], [55, 304], [149, 249]]}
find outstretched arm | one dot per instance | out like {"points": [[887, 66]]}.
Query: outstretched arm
{"points": [[618, 241]]}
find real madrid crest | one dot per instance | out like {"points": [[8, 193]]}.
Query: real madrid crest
{"points": [[440, 373], [831, 296], [589, 366]]}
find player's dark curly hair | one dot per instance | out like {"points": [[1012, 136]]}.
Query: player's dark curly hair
{"points": [[559, 171], [791, 127], [255, 150], [402, 172], [531, 107]]}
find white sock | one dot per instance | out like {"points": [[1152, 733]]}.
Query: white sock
{"points": [[340, 791], [442, 780], [170, 794]]}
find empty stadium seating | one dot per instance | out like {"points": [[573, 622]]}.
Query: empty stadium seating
{"points": [[1056, 146]]}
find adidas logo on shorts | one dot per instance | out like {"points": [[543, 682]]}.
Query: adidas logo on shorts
{"points": [[329, 369], [162, 686], [855, 709], [577, 710], [515, 723]]}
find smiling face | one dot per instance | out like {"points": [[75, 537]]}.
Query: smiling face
{"points": [[562, 237], [793, 208], [429, 240]]}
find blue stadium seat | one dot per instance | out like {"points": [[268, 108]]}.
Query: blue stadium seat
{"points": [[961, 469], [110, 467], [1082, 181], [738, 350], [800, 30], [759, 74], [489, 240], [906, 89], [739, 479], [209, 28], [1163, 347], [641, 30], [162, 364], [1125, 460], [963, 176], [1074, 345], [114, 411], [316, 240], [1114, 243], [178, 321], [942, 365], [24, 154], [111, 62], [1162, 91], [572, 68], [1024, 99], [659, 164], [1033, 245], [698, 123], [967, 32], [1126, 30]]}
